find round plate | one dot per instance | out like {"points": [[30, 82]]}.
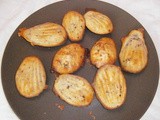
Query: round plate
{"points": [[141, 87]]}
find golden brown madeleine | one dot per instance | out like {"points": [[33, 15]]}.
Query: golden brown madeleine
{"points": [[69, 58], [98, 23], [110, 86], [46, 34], [103, 52], [74, 24], [30, 77], [74, 90], [134, 54]]}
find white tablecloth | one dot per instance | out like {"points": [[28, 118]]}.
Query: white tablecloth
{"points": [[13, 12]]}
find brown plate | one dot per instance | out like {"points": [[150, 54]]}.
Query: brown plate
{"points": [[141, 87]]}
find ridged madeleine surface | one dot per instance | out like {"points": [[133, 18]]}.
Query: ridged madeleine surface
{"points": [[73, 89], [46, 34], [30, 77], [110, 86], [98, 23], [103, 52], [74, 24], [134, 54], [69, 58]]}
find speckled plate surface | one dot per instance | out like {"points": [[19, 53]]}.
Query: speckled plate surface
{"points": [[141, 87]]}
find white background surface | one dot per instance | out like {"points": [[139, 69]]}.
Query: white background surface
{"points": [[13, 12]]}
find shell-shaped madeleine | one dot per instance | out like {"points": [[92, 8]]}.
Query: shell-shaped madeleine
{"points": [[98, 23], [69, 58], [74, 24], [134, 54], [30, 77], [73, 89], [110, 86], [103, 52], [46, 34]]}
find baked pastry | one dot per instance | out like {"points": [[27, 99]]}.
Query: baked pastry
{"points": [[110, 86], [98, 23], [134, 54], [103, 52], [73, 89], [46, 34], [30, 77], [74, 24], [69, 58]]}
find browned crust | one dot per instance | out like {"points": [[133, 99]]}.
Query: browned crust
{"points": [[102, 41], [104, 105], [55, 67], [134, 72], [141, 30], [61, 97], [21, 31]]}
